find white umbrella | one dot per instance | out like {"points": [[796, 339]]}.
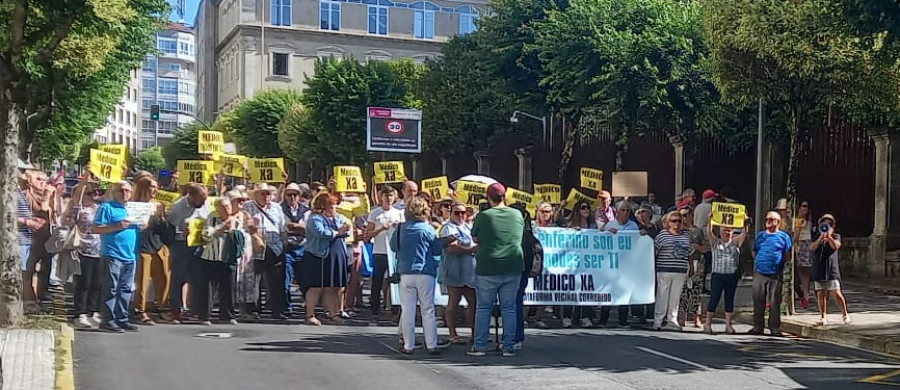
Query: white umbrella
{"points": [[476, 178]]}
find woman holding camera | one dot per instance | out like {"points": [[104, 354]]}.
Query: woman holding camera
{"points": [[826, 273]]}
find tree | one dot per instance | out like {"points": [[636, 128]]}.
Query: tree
{"points": [[338, 94], [183, 145], [797, 56], [254, 126], [298, 138], [466, 103], [150, 160], [53, 55]]}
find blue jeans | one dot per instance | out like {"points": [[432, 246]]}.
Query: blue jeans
{"points": [[25, 252], [292, 256], [520, 308], [120, 280], [487, 290]]}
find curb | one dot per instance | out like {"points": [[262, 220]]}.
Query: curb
{"points": [[832, 335], [65, 343]]}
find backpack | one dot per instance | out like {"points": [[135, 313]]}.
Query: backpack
{"points": [[534, 254]]}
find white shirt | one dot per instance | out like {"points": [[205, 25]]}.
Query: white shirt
{"points": [[381, 217]]}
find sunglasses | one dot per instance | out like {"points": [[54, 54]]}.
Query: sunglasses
{"points": [[674, 221], [585, 207], [460, 213], [546, 211], [772, 220], [445, 206]]}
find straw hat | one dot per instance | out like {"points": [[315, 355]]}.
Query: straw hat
{"points": [[293, 187], [782, 204], [236, 194], [263, 187]]}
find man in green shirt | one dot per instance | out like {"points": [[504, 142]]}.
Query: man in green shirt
{"points": [[498, 269]]}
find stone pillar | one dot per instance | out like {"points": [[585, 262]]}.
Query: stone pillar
{"points": [[678, 145], [483, 162], [445, 167], [524, 156], [878, 239], [416, 168]]}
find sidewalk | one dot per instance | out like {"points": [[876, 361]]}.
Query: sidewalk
{"points": [[875, 314], [27, 359]]}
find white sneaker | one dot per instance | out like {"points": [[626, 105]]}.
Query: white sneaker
{"points": [[586, 323], [673, 326], [96, 319], [82, 322], [567, 322], [542, 324]]}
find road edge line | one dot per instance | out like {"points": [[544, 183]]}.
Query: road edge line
{"points": [[63, 346]]}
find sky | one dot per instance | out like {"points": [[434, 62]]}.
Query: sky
{"points": [[190, 11]]}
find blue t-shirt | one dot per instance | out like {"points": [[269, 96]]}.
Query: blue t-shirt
{"points": [[123, 244], [770, 249]]}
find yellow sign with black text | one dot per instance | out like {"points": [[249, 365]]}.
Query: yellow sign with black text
{"points": [[728, 214], [348, 178], [210, 142], [389, 172], [471, 193], [591, 179], [576, 196], [107, 166], [195, 171], [514, 196], [233, 165], [550, 193], [166, 197], [117, 149], [267, 170], [437, 187]]}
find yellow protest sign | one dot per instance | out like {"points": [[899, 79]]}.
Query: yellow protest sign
{"points": [[106, 166], [471, 193], [348, 178], [437, 187], [117, 149], [166, 197], [266, 170], [550, 193], [195, 171], [591, 179], [576, 196], [389, 172], [514, 196], [210, 142], [728, 214], [195, 232], [211, 203], [233, 165]]}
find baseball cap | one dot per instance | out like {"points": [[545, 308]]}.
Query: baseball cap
{"points": [[709, 194], [496, 190]]}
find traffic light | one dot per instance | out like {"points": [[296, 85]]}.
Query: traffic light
{"points": [[154, 112]]}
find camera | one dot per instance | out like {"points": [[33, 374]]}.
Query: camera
{"points": [[824, 227]]}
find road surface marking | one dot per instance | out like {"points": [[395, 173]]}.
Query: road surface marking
{"points": [[675, 358], [880, 379]]}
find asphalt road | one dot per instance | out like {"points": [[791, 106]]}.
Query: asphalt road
{"points": [[363, 356]]}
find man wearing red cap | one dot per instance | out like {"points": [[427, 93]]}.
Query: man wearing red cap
{"points": [[701, 213], [498, 268]]}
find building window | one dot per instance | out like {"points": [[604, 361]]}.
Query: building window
{"points": [[146, 103], [330, 15], [171, 66], [148, 85], [168, 105], [281, 12], [185, 48], [424, 26], [168, 86], [378, 20], [280, 64], [330, 52], [168, 46], [184, 107], [149, 65], [467, 23], [147, 124]]}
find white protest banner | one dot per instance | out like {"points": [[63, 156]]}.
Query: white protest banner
{"points": [[139, 212], [588, 268]]}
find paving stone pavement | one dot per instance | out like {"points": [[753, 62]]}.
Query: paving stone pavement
{"points": [[27, 358]]}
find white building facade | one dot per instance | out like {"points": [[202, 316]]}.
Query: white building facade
{"points": [[170, 80], [248, 45], [123, 125]]}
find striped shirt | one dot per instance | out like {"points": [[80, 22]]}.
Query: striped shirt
{"points": [[672, 252], [725, 258], [23, 210]]}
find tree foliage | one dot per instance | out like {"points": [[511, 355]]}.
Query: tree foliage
{"points": [[466, 103], [150, 160], [254, 124], [183, 145], [338, 94]]}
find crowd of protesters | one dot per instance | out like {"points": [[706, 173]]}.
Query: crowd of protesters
{"points": [[255, 243]]}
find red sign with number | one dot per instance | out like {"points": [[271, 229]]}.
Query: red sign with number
{"points": [[394, 127]]}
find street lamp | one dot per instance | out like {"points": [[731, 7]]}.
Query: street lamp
{"points": [[514, 118]]}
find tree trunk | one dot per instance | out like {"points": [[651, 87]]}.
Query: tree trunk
{"points": [[568, 148], [787, 287], [12, 117]]}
